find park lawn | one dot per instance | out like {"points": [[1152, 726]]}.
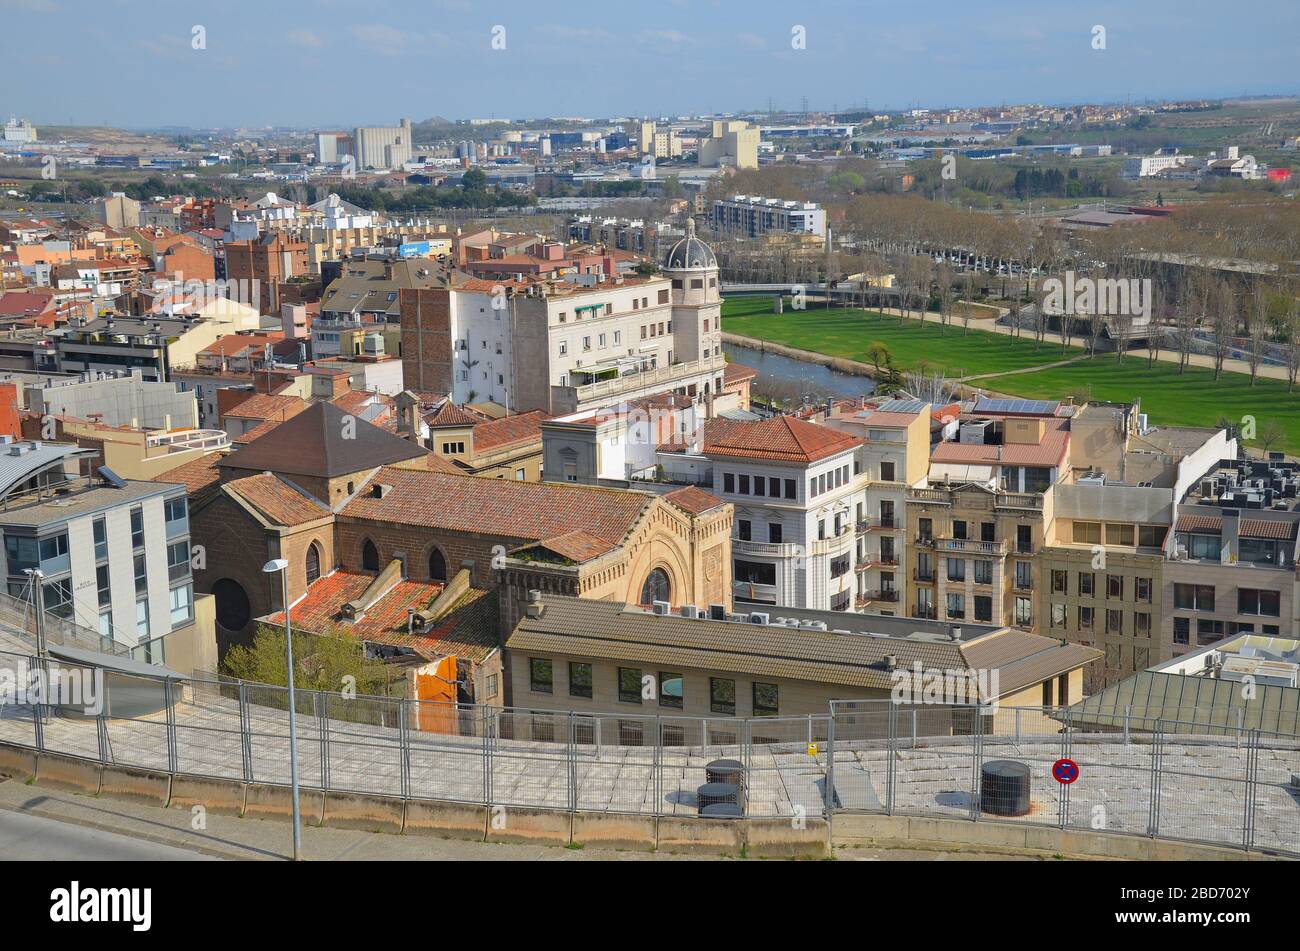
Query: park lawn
{"points": [[1169, 398], [847, 332]]}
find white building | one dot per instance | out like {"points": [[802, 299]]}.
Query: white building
{"points": [[753, 215], [20, 131], [114, 554], [383, 146]]}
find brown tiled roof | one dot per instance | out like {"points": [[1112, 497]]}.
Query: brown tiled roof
{"points": [[521, 427], [577, 546], [693, 500], [783, 438], [501, 508], [1267, 528], [196, 475], [323, 442], [268, 406], [449, 414], [1198, 523], [279, 502], [736, 373]]}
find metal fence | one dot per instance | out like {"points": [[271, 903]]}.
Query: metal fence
{"points": [[1167, 778], [1140, 776]]}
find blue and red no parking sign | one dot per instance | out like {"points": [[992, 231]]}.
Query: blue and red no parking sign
{"points": [[1065, 771]]}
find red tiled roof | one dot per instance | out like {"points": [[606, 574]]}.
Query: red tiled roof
{"points": [[449, 414], [577, 546], [278, 501], [1267, 528], [1198, 523], [268, 406], [509, 429], [500, 508], [693, 500], [196, 475], [320, 610], [736, 373], [783, 438]]}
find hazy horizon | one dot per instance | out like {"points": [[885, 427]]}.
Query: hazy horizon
{"points": [[133, 64]]}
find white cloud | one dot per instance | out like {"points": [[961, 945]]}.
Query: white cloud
{"points": [[306, 38]]}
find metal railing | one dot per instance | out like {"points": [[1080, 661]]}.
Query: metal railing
{"points": [[1158, 777], [1220, 784]]}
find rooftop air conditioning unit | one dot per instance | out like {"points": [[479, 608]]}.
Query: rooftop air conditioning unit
{"points": [[717, 612], [660, 607], [688, 610], [758, 617]]}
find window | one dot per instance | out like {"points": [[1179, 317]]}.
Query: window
{"points": [[579, 679], [840, 566], [774, 533], [1194, 597], [671, 690], [629, 685], [1257, 601], [1087, 533], [1208, 630], [1115, 587], [137, 528], [1086, 618], [142, 619], [959, 529], [178, 560], [176, 511], [1182, 630], [887, 472], [1024, 577], [313, 562], [988, 532], [983, 572], [1114, 621], [101, 539], [1142, 590], [141, 575], [754, 572], [1058, 615], [1085, 584], [729, 482], [1152, 536], [789, 489], [104, 586], [743, 529], [1202, 546], [181, 599], [437, 566], [983, 608], [657, 587], [1141, 624], [1024, 611], [956, 606], [956, 569], [722, 696], [540, 675], [1024, 539], [765, 700], [55, 546], [1119, 535], [744, 485], [369, 556], [1060, 581]]}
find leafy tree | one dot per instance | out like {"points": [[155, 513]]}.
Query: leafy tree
{"points": [[321, 661]]}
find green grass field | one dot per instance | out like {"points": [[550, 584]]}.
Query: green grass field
{"points": [[847, 332], [1192, 398]]}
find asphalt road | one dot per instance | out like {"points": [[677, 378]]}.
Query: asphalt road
{"points": [[26, 837]]}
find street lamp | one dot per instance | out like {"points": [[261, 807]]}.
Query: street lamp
{"points": [[281, 566]]}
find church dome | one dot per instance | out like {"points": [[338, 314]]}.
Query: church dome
{"points": [[690, 253]]}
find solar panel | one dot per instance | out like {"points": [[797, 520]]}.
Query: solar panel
{"points": [[111, 477], [1026, 407], [901, 406]]}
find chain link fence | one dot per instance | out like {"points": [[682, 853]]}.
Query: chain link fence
{"points": [[1171, 778]]}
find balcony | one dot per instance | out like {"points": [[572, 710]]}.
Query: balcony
{"points": [[924, 541], [970, 546], [924, 612], [765, 549], [930, 496], [877, 561], [879, 525], [889, 596]]}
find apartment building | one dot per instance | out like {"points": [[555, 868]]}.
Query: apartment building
{"points": [[986, 511], [893, 456], [753, 216], [114, 554], [798, 491], [269, 260], [1106, 561], [565, 346]]}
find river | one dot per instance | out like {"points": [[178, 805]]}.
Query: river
{"points": [[780, 375]]}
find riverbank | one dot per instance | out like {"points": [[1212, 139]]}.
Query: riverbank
{"points": [[838, 364]]}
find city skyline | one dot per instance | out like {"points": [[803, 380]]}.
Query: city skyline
{"points": [[694, 57]]}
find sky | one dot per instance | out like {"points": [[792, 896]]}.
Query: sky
{"points": [[341, 63]]}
